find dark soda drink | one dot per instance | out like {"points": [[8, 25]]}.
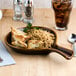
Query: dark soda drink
{"points": [[62, 9]]}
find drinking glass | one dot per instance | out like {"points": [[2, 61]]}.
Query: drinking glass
{"points": [[62, 10]]}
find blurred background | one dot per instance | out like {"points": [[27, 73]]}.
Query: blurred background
{"points": [[8, 4]]}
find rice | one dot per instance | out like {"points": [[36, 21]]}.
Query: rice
{"points": [[46, 37]]}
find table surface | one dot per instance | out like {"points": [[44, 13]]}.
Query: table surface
{"points": [[36, 65]]}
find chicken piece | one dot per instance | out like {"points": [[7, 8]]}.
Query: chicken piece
{"points": [[14, 30], [20, 44], [33, 44], [18, 35]]}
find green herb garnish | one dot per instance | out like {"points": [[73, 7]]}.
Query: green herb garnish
{"points": [[36, 28], [29, 27], [25, 29]]}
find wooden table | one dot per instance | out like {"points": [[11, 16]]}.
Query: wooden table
{"points": [[30, 65]]}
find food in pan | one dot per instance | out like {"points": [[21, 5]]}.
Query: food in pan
{"points": [[19, 38], [42, 35], [32, 44], [32, 38]]}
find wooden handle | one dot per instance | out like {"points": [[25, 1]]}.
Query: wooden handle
{"points": [[68, 54]]}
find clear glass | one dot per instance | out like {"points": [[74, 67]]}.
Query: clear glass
{"points": [[62, 9], [17, 10]]}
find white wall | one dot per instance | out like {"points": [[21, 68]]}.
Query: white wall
{"points": [[4, 4]]}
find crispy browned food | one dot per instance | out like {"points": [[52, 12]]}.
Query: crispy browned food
{"points": [[20, 44], [33, 44], [46, 37], [35, 38], [18, 35], [16, 31], [19, 38]]}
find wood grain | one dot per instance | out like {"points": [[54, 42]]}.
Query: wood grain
{"points": [[30, 65]]}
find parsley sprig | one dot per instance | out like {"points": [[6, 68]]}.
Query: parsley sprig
{"points": [[29, 27]]}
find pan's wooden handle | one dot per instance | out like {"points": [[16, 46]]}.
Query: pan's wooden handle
{"points": [[68, 54]]}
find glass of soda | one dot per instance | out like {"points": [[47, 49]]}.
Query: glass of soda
{"points": [[62, 9]]}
